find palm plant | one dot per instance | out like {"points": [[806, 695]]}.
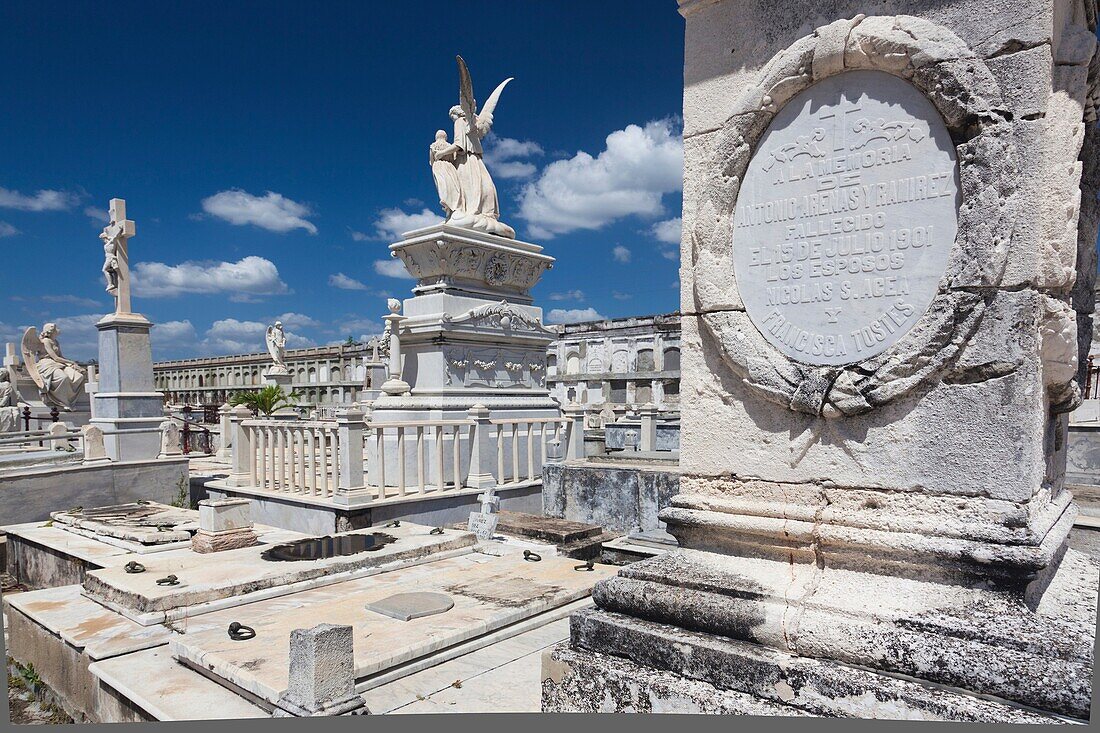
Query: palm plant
{"points": [[267, 401]]}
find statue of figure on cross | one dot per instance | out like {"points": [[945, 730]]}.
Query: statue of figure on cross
{"points": [[116, 269]]}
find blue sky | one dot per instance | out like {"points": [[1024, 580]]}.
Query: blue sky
{"points": [[268, 153]]}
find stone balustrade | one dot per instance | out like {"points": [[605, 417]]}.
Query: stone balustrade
{"points": [[351, 460]]}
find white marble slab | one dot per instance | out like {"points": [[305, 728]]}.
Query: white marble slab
{"points": [[490, 593], [166, 690]]}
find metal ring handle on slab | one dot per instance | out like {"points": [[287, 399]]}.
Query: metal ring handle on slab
{"points": [[133, 567], [437, 530], [531, 556], [240, 632], [169, 580], [586, 567]]}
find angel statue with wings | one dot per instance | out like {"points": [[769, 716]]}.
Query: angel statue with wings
{"points": [[276, 346], [466, 190], [60, 381]]}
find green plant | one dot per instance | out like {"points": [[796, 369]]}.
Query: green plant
{"points": [[183, 493], [267, 401]]}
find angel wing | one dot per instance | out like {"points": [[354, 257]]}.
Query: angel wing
{"points": [[466, 91], [491, 103], [30, 347], [270, 341]]}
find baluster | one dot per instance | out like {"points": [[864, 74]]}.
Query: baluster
{"points": [[311, 459], [261, 441], [515, 451], [251, 456], [530, 450], [381, 463], [280, 464], [456, 457], [303, 457], [542, 443], [420, 465], [439, 456], [400, 460], [334, 441], [500, 454]]}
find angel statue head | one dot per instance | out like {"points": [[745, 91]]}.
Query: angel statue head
{"points": [[50, 330], [456, 112]]}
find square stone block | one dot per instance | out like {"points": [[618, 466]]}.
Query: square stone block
{"points": [[221, 515]]}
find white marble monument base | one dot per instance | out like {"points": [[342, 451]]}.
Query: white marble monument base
{"points": [[127, 408]]}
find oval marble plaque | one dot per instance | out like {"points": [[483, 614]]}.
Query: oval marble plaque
{"points": [[845, 219]]}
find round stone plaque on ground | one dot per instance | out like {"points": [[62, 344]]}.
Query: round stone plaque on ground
{"points": [[846, 218], [407, 606]]}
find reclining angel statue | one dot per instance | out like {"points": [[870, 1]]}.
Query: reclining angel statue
{"points": [[60, 381], [466, 190]]}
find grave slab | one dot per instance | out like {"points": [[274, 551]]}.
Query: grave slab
{"points": [[489, 593], [243, 574], [164, 690]]}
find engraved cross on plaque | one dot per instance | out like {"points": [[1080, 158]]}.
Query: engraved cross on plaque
{"points": [[116, 256]]}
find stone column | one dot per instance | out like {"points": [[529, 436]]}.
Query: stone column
{"points": [[648, 438], [351, 483], [242, 448], [225, 413], [395, 385], [872, 518], [482, 450], [321, 679], [574, 414]]}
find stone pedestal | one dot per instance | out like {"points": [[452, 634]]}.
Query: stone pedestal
{"points": [[470, 336], [878, 364], [224, 524], [128, 408], [321, 680]]}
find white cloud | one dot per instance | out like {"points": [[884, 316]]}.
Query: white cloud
{"points": [[272, 211], [343, 282], [670, 254], [567, 295], [7, 230], [628, 178], [296, 321], [362, 325], [43, 200], [621, 254], [392, 268], [79, 338], [97, 215], [230, 336], [72, 300], [668, 231], [573, 315], [513, 169], [357, 236], [173, 333], [620, 296], [503, 154], [245, 280], [392, 223]]}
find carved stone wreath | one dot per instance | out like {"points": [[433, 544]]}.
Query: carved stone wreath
{"points": [[964, 91], [496, 270]]}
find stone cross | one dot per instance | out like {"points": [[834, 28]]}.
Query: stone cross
{"points": [[484, 523], [116, 255]]}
